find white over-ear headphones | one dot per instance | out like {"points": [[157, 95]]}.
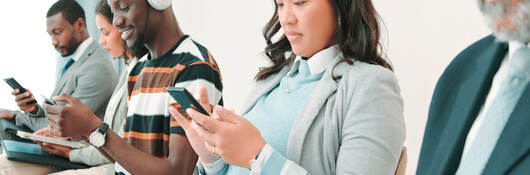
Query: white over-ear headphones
{"points": [[160, 4]]}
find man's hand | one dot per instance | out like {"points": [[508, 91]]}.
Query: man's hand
{"points": [[24, 101], [71, 120], [7, 114]]}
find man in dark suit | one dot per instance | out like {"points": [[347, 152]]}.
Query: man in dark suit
{"points": [[479, 118]]}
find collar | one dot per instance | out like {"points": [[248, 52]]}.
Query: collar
{"points": [[319, 61], [513, 46], [81, 48]]}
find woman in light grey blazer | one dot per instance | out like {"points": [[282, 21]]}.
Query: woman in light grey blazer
{"points": [[329, 104], [110, 39]]}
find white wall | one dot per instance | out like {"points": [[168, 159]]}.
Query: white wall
{"points": [[27, 52], [423, 36]]}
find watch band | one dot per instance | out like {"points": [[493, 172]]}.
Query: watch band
{"points": [[103, 128]]}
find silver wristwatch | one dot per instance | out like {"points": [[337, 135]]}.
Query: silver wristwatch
{"points": [[97, 138]]}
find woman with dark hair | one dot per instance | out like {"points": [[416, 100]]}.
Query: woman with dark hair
{"points": [[110, 39], [328, 104]]}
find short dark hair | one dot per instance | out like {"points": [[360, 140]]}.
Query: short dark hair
{"points": [[72, 11]]}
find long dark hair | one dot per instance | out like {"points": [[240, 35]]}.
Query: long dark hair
{"points": [[103, 8], [357, 35]]}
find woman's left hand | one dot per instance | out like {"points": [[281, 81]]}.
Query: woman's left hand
{"points": [[233, 137], [52, 148]]}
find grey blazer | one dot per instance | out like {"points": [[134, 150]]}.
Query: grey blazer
{"points": [[91, 79], [351, 126]]}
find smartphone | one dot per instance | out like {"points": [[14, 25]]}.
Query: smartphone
{"points": [[15, 85], [48, 101], [185, 99]]}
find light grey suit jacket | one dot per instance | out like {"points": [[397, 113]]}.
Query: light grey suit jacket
{"points": [[351, 126], [114, 116], [91, 79]]}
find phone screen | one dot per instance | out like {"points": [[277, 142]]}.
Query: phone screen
{"points": [[185, 99], [14, 84], [48, 101]]}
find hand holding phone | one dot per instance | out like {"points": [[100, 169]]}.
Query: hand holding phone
{"points": [[185, 99], [15, 85]]}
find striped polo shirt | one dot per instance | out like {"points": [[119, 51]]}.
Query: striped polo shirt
{"points": [[149, 124]]}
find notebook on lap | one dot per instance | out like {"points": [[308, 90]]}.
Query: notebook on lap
{"points": [[31, 153]]}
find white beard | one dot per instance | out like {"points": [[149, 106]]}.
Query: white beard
{"points": [[520, 18]]}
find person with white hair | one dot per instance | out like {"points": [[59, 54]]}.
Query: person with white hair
{"points": [[480, 111]]}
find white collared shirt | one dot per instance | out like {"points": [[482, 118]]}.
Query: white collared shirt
{"points": [[497, 80], [320, 60], [81, 49]]}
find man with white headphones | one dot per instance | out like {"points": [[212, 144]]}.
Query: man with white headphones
{"points": [[153, 142]]}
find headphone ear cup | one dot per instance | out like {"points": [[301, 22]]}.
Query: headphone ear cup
{"points": [[160, 4]]}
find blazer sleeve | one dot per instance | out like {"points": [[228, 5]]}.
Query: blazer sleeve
{"points": [[374, 129], [32, 121], [95, 84], [88, 155]]}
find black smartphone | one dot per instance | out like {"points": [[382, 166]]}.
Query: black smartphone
{"points": [[15, 85], [48, 101], [185, 99]]}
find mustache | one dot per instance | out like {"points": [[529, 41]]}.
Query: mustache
{"points": [[61, 47], [125, 27]]}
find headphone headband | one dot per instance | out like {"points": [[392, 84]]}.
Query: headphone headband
{"points": [[159, 4]]}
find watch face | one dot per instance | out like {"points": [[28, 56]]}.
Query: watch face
{"points": [[97, 139]]}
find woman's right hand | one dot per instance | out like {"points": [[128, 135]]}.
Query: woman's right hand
{"points": [[199, 145]]}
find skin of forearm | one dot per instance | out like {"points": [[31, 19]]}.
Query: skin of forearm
{"points": [[180, 161], [106, 155]]}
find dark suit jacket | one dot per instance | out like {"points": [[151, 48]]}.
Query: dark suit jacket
{"points": [[459, 95]]}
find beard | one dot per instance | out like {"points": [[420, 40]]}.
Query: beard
{"points": [[138, 45], [508, 23], [70, 47]]}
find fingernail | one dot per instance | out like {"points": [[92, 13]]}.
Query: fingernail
{"points": [[188, 110]]}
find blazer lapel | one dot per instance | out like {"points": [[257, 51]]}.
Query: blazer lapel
{"points": [[468, 103], [514, 142], [325, 88], [71, 71]]}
